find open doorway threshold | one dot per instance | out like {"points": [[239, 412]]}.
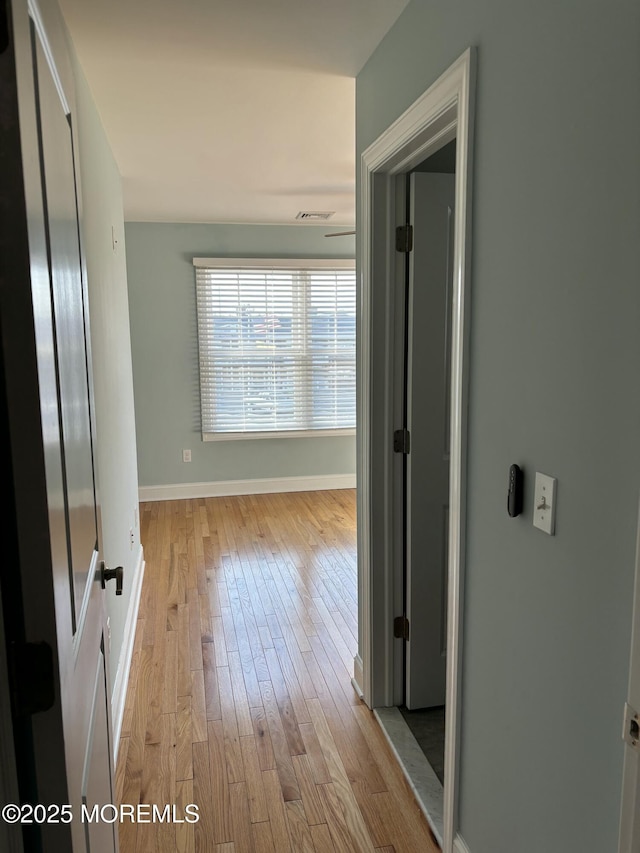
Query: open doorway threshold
{"points": [[427, 726], [419, 773]]}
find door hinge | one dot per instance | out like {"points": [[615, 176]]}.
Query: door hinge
{"points": [[401, 628], [404, 238], [401, 441], [32, 679]]}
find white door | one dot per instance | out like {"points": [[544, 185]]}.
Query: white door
{"points": [[630, 816], [60, 594], [428, 412]]}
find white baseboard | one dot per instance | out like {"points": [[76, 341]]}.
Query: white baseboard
{"points": [[126, 653], [459, 845], [225, 488]]}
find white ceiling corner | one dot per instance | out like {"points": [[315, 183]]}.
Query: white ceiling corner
{"points": [[230, 110]]}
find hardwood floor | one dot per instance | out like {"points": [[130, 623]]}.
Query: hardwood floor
{"points": [[240, 697]]}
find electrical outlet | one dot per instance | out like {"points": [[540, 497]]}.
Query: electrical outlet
{"points": [[186, 456], [132, 538]]}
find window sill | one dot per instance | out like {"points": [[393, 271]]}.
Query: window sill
{"points": [[293, 433]]}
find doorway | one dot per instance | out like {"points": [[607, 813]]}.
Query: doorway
{"points": [[442, 114], [424, 347]]}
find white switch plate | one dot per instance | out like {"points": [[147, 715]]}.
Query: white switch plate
{"points": [[544, 503], [186, 456]]}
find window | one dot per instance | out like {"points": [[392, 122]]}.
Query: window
{"points": [[277, 347]]}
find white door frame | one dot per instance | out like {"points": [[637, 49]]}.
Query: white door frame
{"points": [[443, 112]]}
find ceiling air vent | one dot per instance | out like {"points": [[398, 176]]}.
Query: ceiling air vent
{"points": [[315, 215]]}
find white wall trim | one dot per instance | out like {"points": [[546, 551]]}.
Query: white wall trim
{"points": [[459, 845], [126, 654], [267, 486], [289, 433], [445, 110], [275, 263]]}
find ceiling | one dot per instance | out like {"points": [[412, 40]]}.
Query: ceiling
{"points": [[230, 110]]}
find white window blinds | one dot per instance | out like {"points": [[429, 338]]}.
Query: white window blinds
{"points": [[277, 346]]}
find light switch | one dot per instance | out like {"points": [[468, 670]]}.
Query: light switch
{"points": [[544, 503]]}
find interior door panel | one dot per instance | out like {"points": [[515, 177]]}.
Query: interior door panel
{"points": [[66, 405], [69, 313], [428, 420]]}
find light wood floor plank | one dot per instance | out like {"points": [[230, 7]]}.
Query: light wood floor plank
{"points": [[263, 739], [198, 706], [240, 698], [240, 822], [241, 703], [217, 631], [285, 682], [123, 750], [185, 833], [286, 706], [150, 793], [169, 693], [322, 838], [375, 810], [203, 797], [220, 808], [184, 739], [262, 837], [211, 692], [277, 814], [291, 657], [195, 629], [298, 827], [167, 783], [340, 835], [127, 717], [205, 618], [284, 765], [183, 687], [341, 783], [232, 753], [315, 757], [258, 807], [314, 812]]}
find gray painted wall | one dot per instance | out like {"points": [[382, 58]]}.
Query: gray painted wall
{"points": [[113, 382], [554, 358], [165, 355]]}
